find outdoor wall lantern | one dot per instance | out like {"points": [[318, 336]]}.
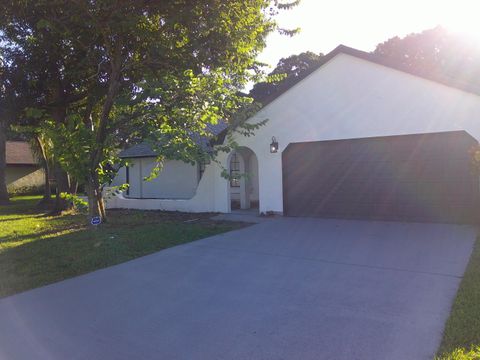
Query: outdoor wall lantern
{"points": [[274, 145]]}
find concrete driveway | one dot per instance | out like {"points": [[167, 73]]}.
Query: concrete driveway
{"points": [[288, 289]]}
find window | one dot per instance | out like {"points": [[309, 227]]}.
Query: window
{"points": [[234, 171]]}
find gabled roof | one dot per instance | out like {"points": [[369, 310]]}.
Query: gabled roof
{"points": [[145, 149], [20, 153], [140, 150], [380, 60]]}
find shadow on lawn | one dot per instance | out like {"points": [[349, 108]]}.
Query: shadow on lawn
{"points": [[26, 216], [58, 256], [42, 235], [40, 262]]}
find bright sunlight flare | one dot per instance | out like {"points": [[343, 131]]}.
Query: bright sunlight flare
{"points": [[364, 24]]}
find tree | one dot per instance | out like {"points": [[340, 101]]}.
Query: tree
{"points": [[4, 199], [287, 72], [167, 68], [22, 89], [436, 52], [42, 149], [4, 98], [11, 85]]}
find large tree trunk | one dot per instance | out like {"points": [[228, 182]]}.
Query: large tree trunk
{"points": [[93, 209], [47, 192], [100, 202], [63, 186], [96, 205], [95, 196], [59, 114], [73, 186], [3, 163]]}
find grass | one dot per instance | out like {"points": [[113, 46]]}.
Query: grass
{"points": [[37, 249], [461, 339]]}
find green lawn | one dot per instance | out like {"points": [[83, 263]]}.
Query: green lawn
{"points": [[461, 339], [37, 249]]}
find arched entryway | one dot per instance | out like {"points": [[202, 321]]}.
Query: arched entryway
{"points": [[243, 186]]}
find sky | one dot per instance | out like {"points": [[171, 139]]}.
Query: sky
{"points": [[363, 24]]}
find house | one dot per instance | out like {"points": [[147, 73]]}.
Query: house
{"points": [[177, 180], [359, 137], [23, 170]]}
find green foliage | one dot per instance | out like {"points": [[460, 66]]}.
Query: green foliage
{"points": [[462, 354], [168, 70], [155, 171], [287, 72], [25, 190], [436, 52], [113, 190], [462, 329], [73, 145], [79, 204], [34, 113]]}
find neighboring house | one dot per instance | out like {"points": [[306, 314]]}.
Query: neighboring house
{"points": [[358, 137], [23, 170]]}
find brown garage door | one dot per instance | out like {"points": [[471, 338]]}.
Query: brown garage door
{"points": [[424, 177]]}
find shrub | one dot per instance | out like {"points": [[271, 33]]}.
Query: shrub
{"points": [[26, 190], [462, 354], [79, 203]]}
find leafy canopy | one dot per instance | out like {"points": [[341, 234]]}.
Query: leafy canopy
{"points": [[109, 73], [436, 52], [287, 72]]}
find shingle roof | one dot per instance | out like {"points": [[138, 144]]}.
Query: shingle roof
{"points": [[457, 83], [20, 153], [145, 150]]}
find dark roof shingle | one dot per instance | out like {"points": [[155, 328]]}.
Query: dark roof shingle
{"points": [[145, 150], [20, 153]]}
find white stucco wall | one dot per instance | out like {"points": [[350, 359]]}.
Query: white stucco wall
{"points": [[176, 180], [252, 181], [346, 98], [353, 98], [204, 199]]}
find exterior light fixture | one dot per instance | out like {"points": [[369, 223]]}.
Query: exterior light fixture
{"points": [[274, 145]]}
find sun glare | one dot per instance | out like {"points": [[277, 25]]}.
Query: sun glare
{"points": [[471, 31], [365, 24], [459, 17]]}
